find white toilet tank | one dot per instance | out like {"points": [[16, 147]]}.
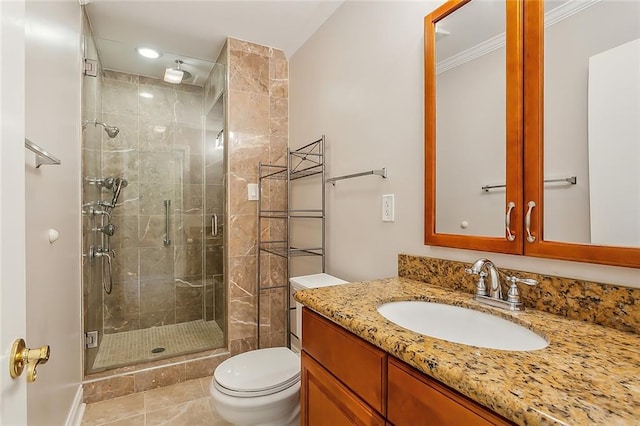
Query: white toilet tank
{"points": [[302, 283]]}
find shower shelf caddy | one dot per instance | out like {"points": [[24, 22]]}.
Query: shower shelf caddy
{"points": [[303, 162]]}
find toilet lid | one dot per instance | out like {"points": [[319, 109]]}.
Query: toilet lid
{"points": [[259, 372]]}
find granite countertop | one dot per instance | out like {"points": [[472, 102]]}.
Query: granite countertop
{"points": [[589, 374]]}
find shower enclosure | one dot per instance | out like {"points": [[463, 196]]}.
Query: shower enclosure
{"points": [[152, 203]]}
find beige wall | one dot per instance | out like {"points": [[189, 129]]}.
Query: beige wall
{"points": [[53, 81], [359, 80]]}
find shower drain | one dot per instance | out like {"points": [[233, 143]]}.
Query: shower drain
{"points": [[157, 350]]}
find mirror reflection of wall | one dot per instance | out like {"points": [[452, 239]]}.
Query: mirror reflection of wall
{"points": [[614, 148], [606, 162], [470, 119]]}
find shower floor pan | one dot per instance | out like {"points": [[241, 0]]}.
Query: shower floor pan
{"points": [[131, 347]]}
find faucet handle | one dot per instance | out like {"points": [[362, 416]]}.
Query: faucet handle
{"points": [[481, 287], [471, 271], [514, 295], [527, 281]]}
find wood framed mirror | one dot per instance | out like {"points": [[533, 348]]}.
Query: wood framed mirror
{"points": [[473, 125], [558, 146], [582, 103]]}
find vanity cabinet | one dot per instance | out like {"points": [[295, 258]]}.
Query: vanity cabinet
{"points": [[531, 139], [326, 401], [418, 399], [358, 364], [346, 381]]}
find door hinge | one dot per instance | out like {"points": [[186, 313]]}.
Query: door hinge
{"points": [[91, 67], [91, 339]]}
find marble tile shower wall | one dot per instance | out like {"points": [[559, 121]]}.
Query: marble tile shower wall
{"points": [[91, 166], [159, 151], [258, 132]]}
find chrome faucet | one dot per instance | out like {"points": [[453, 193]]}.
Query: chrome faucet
{"points": [[493, 294], [495, 287]]}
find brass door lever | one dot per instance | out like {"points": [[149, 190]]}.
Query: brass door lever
{"points": [[21, 355]]}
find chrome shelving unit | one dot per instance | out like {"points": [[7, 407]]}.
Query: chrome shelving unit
{"points": [[302, 163]]}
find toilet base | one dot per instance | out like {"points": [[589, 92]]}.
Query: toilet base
{"points": [[282, 408]]}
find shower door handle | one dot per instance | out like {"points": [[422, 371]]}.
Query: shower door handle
{"points": [[214, 225], [167, 206]]}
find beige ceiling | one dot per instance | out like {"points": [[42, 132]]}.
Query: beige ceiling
{"points": [[198, 29]]}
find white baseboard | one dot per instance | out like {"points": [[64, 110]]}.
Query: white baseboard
{"points": [[74, 418]]}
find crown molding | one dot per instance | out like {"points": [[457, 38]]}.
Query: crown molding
{"points": [[552, 17]]}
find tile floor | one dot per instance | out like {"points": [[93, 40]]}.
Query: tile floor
{"points": [[132, 347], [187, 403]]}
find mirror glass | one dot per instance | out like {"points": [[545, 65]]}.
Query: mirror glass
{"points": [[471, 120], [591, 125]]}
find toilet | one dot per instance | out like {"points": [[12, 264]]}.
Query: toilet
{"points": [[262, 387]]}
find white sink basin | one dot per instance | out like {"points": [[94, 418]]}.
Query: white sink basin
{"points": [[461, 325]]}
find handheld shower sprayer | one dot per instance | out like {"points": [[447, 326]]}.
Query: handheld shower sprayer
{"points": [[118, 184], [112, 131]]}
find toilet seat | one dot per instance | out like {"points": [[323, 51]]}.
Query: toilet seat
{"points": [[258, 373]]}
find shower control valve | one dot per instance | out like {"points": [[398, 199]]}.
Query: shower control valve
{"points": [[100, 252], [102, 182], [94, 212]]}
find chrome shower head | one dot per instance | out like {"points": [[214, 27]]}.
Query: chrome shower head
{"points": [[177, 75], [112, 131]]}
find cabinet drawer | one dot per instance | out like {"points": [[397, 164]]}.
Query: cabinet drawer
{"points": [[358, 364], [417, 399], [327, 402]]}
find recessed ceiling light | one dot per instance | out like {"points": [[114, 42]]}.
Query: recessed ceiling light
{"points": [[148, 53], [146, 95]]}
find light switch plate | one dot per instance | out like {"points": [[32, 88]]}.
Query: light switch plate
{"points": [[252, 192], [388, 208]]}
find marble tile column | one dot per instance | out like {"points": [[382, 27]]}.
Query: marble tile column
{"points": [[258, 132]]}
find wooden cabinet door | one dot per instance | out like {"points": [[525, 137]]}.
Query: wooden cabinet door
{"points": [[327, 402], [355, 362], [415, 399]]}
